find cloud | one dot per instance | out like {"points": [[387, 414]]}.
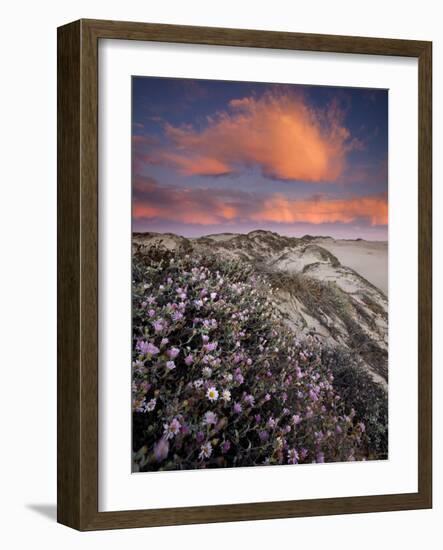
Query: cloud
{"points": [[278, 132], [211, 206]]}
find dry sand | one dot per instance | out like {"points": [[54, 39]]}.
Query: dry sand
{"points": [[368, 258]]}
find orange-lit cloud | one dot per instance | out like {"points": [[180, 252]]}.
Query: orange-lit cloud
{"points": [[215, 206], [278, 132], [280, 209]]}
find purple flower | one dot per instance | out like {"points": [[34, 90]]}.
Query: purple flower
{"points": [[161, 449], [173, 352], [271, 422], [293, 456], [237, 408], [158, 325], [147, 348], [263, 435], [189, 359], [211, 346], [170, 365], [249, 399], [200, 436], [238, 377], [296, 419], [225, 447], [320, 457], [313, 396], [177, 316], [303, 453], [164, 341], [210, 418], [151, 313]]}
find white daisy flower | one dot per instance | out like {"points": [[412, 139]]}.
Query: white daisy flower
{"points": [[205, 450], [212, 394]]}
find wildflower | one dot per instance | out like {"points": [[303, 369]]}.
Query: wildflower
{"points": [[205, 338], [205, 451], [172, 429], [210, 418], [213, 295], [320, 457], [177, 316], [296, 419], [267, 397], [189, 359], [170, 365], [249, 399], [226, 395], [158, 325], [207, 371], [151, 405], [263, 435], [237, 408], [164, 341], [212, 394], [173, 352], [225, 447], [271, 422], [198, 383], [303, 453], [151, 313], [200, 436], [313, 396], [293, 456], [211, 346], [148, 348], [161, 449], [239, 378]]}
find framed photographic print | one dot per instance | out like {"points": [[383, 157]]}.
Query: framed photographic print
{"points": [[244, 275]]}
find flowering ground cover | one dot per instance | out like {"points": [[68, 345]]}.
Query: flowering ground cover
{"points": [[220, 381]]}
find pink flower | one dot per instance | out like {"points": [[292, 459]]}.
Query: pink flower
{"points": [[296, 419], [147, 348], [172, 429], [189, 359], [161, 449], [158, 325], [237, 408], [210, 418], [173, 352], [170, 365]]}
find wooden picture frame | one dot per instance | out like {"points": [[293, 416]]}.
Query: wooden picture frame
{"points": [[78, 274]]}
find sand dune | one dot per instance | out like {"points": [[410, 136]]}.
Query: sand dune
{"points": [[368, 258]]}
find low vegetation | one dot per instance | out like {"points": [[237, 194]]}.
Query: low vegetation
{"points": [[220, 381]]}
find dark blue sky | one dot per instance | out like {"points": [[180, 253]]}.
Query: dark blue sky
{"points": [[214, 156]]}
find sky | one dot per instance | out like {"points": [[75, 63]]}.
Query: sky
{"points": [[214, 156]]}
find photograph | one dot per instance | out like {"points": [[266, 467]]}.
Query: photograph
{"points": [[259, 274]]}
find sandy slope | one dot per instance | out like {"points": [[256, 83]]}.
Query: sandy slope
{"points": [[368, 258]]}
